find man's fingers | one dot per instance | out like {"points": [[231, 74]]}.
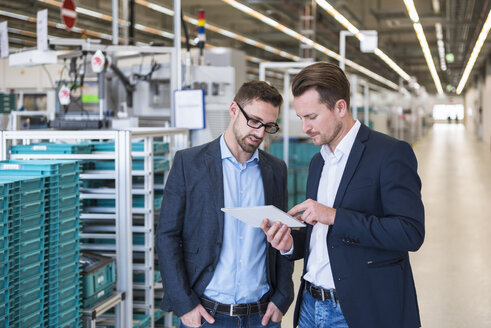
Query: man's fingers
{"points": [[266, 317], [280, 235], [206, 315], [272, 231], [296, 209], [265, 225]]}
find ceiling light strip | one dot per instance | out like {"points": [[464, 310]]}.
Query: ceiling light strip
{"points": [[413, 14], [356, 32], [97, 34], [475, 53], [221, 31], [308, 41], [441, 46]]}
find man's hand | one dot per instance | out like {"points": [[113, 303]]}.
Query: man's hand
{"points": [[314, 212], [273, 313], [278, 235], [193, 317]]}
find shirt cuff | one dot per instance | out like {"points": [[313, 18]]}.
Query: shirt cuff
{"points": [[290, 252]]}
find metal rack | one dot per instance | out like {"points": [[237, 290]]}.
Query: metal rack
{"points": [[118, 223]]}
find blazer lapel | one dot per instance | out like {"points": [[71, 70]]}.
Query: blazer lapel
{"points": [[213, 164], [268, 180], [312, 189], [353, 160]]}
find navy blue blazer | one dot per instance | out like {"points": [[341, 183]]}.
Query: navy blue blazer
{"points": [[379, 218], [190, 231]]}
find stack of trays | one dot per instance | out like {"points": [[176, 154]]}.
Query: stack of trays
{"points": [[52, 148], [46, 239], [158, 146], [98, 278], [23, 286]]}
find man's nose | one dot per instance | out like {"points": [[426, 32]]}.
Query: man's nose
{"points": [[306, 127]]}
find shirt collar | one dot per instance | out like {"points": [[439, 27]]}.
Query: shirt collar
{"points": [[344, 147], [226, 153]]}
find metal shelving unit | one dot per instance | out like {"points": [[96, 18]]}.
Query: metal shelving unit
{"points": [[121, 222]]}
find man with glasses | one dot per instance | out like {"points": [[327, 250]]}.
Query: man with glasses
{"points": [[216, 270]]}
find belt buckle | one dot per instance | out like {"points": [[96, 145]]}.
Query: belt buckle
{"points": [[231, 310]]}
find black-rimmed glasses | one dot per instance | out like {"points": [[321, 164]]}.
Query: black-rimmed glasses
{"points": [[270, 128]]}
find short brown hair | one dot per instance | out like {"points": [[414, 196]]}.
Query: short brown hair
{"points": [[329, 81], [258, 90]]}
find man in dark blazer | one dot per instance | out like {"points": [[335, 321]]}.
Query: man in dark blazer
{"points": [[364, 211], [217, 270]]}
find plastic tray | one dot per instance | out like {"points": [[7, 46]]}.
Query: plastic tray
{"points": [[160, 163], [52, 148], [98, 272], [158, 146], [94, 299]]}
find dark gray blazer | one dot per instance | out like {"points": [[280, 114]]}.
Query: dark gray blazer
{"points": [[190, 231], [379, 219]]}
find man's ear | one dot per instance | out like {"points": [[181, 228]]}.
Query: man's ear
{"points": [[341, 107], [233, 110]]}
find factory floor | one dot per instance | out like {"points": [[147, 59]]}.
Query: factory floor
{"points": [[452, 270]]}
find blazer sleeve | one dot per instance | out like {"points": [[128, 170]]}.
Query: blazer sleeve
{"points": [[177, 290], [284, 293], [401, 227]]}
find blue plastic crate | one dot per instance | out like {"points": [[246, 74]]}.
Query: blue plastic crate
{"points": [[29, 246], [4, 310], [100, 296], [32, 283], [29, 234], [4, 262], [160, 163], [27, 272], [52, 148], [69, 201], [28, 221], [22, 182], [34, 319], [98, 272], [40, 167], [30, 296], [70, 222], [25, 260], [67, 317], [159, 147], [69, 303]]}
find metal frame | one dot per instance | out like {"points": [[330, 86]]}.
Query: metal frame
{"points": [[289, 68], [123, 213], [90, 316]]}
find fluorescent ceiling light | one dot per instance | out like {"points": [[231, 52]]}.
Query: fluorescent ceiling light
{"points": [[411, 9], [413, 14], [475, 52], [441, 46], [222, 31], [107, 36], [308, 41], [347, 24]]}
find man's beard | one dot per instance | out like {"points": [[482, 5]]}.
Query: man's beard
{"points": [[244, 144]]}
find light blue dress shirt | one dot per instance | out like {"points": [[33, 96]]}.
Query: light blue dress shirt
{"points": [[240, 276]]}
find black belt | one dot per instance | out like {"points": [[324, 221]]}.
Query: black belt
{"points": [[319, 293], [235, 309]]}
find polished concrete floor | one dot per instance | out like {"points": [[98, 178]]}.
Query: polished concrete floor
{"points": [[453, 267]]}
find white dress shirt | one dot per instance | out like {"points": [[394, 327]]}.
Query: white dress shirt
{"points": [[318, 266]]}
